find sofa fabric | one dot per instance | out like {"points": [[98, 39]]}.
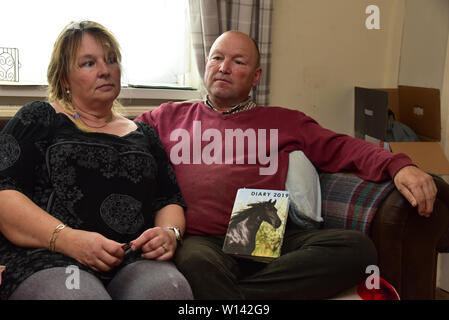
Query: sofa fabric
{"points": [[349, 202]]}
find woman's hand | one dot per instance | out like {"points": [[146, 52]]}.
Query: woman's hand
{"points": [[91, 249], [159, 243], [156, 243]]}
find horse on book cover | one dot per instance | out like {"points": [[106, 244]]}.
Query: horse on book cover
{"points": [[243, 226]]}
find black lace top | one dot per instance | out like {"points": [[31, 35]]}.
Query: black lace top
{"points": [[92, 181]]}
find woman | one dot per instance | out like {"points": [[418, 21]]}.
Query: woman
{"points": [[79, 181]]}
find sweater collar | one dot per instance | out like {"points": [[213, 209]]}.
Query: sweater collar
{"points": [[245, 105]]}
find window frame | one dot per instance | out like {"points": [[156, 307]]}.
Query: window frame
{"points": [[134, 100]]}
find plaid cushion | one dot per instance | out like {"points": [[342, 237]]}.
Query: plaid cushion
{"points": [[349, 202]]}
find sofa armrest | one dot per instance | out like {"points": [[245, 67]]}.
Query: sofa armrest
{"points": [[408, 244]]}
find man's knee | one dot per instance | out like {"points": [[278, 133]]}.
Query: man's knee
{"points": [[196, 254], [199, 258], [210, 272], [363, 247]]}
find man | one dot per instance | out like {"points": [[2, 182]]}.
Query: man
{"points": [[199, 138]]}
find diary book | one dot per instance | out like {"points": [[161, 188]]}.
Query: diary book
{"points": [[257, 224]]}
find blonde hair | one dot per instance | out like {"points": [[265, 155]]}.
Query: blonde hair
{"points": [[63, 58]]}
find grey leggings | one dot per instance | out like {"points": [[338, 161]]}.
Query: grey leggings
{"points": [[141, 280]]}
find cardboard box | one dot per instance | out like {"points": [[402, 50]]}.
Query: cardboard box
{"points": [[429, 156], [416, 107]]}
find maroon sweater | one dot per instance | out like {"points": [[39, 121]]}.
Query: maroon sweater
{"points": [[214, 155]]}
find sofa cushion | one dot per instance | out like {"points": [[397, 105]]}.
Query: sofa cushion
{"points": [[303, 184]]}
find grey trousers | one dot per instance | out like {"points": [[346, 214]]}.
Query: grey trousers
{"points": [[314, 264], [141, 280]]}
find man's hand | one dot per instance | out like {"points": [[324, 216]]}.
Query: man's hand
{"points": [[417, 187]]}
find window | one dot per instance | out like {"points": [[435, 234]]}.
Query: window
{"points": [[153, 35]]}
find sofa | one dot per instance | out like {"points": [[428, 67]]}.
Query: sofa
{"points": [[410, 262], [407, 244]]}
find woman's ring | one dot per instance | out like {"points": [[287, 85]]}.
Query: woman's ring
{"points": [[164, 248]]}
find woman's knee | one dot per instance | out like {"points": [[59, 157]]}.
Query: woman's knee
{"points": [[61, 283], [150, 280]]}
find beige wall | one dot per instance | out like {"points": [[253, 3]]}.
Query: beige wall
{"points": [[424, 53], [322, 49]]}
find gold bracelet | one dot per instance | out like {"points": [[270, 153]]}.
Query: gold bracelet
{"points": [[54, 235]]}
